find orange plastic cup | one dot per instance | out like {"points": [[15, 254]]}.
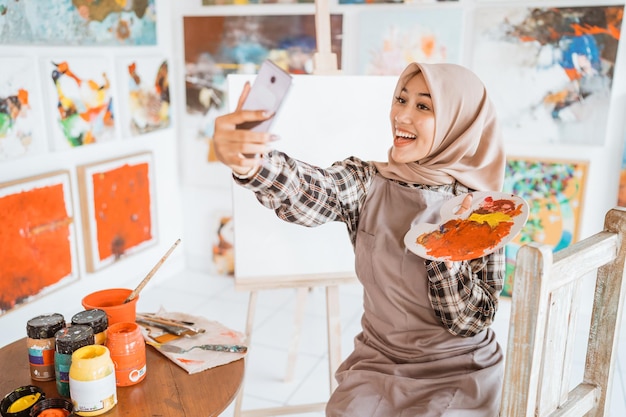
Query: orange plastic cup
{"points": [[112, 302]]}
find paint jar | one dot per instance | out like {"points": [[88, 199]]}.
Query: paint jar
{"points": [[112, 302], [68, 340], [128, 352], [19, 402], [92, 381], [97, 320], [41, 344], [52, 407]]}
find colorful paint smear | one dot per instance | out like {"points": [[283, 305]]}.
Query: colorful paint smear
{"points": [[117, 196], [78, 22], [549, 70], [554, 191], [83, 101], [472, 237], [148, 97], [36, 237]]}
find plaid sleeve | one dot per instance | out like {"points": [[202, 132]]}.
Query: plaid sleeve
{"points": [[310, 196], [465, 297]]}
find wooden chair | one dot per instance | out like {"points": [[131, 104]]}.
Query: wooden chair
{"points": [[545, 300]]}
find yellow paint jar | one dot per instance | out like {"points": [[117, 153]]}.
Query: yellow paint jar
{"points": [[97, 320], [92, 381]]}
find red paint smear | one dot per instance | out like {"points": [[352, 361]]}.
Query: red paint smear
{"points": [[464, 239], [122, 209], [35, 242], [188, 361]]}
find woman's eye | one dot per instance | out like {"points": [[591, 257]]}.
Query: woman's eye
{"points": [[400, 100], [423, 107]]}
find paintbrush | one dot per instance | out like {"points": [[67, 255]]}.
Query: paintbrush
{"points": [[151, 273]]}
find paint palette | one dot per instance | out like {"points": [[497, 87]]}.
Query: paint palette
{"points": [[493, 220]]}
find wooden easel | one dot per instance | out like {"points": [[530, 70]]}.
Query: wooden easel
{"points": [[325, 63]]}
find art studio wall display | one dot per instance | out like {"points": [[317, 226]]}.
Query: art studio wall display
{"points": [[37, 237], [77, 22], [216, 46], [21, 131], [554, 190], [145, 96], [550, 70], [118, 208], [80, 100], [391, 39]]}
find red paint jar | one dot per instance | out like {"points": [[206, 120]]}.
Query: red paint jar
{"points": [[128, 352]]}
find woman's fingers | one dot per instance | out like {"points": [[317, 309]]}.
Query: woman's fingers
{"points": [[466, 204]]}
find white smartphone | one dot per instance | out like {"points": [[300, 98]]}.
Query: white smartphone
{"points": [[267, 93]]}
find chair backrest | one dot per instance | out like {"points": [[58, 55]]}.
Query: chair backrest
{"points": [[545, 301]]}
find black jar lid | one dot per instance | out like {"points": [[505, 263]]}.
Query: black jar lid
{"points": [[44, 326], [72, 338], [15, 395], [95, 318]]}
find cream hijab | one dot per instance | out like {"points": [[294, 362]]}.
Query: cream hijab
{"points": [[468, 145]]}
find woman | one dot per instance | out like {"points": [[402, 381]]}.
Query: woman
{"points": [[426, 348]]}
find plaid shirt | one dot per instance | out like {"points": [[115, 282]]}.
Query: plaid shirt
{"points": [[464, 296]]}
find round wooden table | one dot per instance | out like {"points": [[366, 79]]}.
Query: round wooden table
{"points": [[167, 390]]}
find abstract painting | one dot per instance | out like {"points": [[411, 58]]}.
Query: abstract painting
{"points": [[549, 70], [21, 132], [390, 40], [244, 2], [37, 237], [81, 99], [145, 101], [118, 208], [554, 191], [78, 22], [216, 46]]}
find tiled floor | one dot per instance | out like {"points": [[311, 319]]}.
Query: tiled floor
{"points": [[214, 297]]}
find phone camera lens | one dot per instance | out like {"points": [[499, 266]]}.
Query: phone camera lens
{"points": [[273, 79]]}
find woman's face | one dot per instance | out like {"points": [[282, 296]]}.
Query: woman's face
{"points": [[412, 122]]}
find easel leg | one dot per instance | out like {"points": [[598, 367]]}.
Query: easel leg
{"points": [[297, 331], [249, 324], [334, 333]]}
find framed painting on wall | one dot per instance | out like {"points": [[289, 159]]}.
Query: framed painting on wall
{"points": [[80, 100], [37, 237], [145, 96], [118, 208], [549, 70], [21, 133], [554, 190]]}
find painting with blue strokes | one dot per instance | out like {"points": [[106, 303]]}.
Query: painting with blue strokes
{"points": [[78, 22], [549, 70]]}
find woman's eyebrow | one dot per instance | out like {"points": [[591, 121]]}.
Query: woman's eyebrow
{"points": [[404, 90]]}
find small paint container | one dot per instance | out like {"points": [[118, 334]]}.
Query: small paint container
{"points": [[20, 402], [96, 319], [128, 352], [92, 381], [41, 345], [52, 407], [68, 340]]}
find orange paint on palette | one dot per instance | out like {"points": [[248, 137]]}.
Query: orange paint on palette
{"points": [[35, 241], [464, 239], [122, 209]]}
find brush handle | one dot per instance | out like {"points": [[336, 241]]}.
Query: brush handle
{"points": [[151, 273]]}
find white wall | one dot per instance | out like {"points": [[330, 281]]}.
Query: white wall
{"points": [[127, 272]]}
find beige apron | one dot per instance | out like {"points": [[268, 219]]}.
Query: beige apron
{"points": [[405, 363]]}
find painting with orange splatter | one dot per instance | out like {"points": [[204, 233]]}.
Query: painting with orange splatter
{"points": [[145, 99], [390, 40], [80, 100], [554, 190], [492, 220], [37, 237], [118, 208], [78, 22]]}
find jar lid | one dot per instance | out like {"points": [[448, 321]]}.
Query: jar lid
{"points": [[71, 338], [44, 326], [20, 401], [95, 318]]}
